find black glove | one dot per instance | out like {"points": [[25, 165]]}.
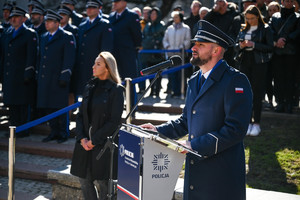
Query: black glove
{"points": [[63, 84]]}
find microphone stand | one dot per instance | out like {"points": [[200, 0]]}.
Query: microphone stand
{"points": [[111, 145]]}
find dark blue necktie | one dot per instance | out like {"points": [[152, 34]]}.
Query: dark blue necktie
{"points": [[201, 82], [50, 37]]}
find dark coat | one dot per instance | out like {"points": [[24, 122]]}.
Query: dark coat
{"points": [[290, 30], [107, 101], [39, 30], [92, 39], [18, 69], [73, 29], [76, 18], [216, 119], [224, 22], [127, 38], [55, 69], [153, 35], [263, 39], [192, 21]]}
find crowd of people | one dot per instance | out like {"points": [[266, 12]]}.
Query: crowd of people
{"points": [[56, 49]]}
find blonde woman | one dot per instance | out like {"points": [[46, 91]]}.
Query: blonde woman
{"points": [[98, 117]]}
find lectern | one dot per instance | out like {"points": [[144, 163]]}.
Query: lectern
{"points": [[148, 165]]}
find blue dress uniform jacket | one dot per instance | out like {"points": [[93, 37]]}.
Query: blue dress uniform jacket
{"points": [[92, 39], [73, 29], [76, 18], [19, 62], [127, 37], [216, 119], [56, 64]]}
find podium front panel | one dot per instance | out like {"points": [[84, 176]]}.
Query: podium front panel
{"points": [[128, 166], [161, 168]]}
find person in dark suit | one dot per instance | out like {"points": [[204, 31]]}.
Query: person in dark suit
{"points": [[216, 117], [57, 54], [99, 117], [18, 68], [94, 35], [127, 40], [76, 17]]}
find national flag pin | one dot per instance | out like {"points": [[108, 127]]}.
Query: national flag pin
{"points": [[239, 90]]}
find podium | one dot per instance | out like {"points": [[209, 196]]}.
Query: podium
{"points": [[148, 165]]}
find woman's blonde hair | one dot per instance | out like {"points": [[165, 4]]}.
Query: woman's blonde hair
{"points": [[111, 65]]}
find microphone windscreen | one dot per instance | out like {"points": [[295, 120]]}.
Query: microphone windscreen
{"points": [[176, 60]]}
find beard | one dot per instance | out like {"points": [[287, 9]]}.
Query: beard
{"points": [[199, 62]]}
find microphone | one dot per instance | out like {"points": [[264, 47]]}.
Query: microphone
{"points": [[173, 61]]}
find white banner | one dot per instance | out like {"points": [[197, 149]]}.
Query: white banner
{"points": [[161, 168]]}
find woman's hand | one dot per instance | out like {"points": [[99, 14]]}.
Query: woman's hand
{"points": [[84, 144], [246, 43], [280, 43], [90, 145]]}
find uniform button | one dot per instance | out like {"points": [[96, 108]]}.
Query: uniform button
{"points": [[45, 57], [194, 112], [8, 54], [8, 63], [84, 35], [6, 73], [44, 66], [83, 44], [192, 136], [9, 45], [192, 162], [43, 76], [46, 48], [191, 187], [82, 53]]}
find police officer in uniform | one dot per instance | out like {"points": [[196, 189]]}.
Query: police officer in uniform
{"points": [[37, 20], [19, 55], [65, 12], [6, 10], [127, 40], [31, 5], [94, 36], [57, 53], [76, 18], [216, 116]]}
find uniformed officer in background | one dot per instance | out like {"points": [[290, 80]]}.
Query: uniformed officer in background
{"points": [[31, 4], [57, 53], [65, 12], [94, 36], [37, 20], [6, 10], [127, 40], [76, 18], [18, 69]]}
